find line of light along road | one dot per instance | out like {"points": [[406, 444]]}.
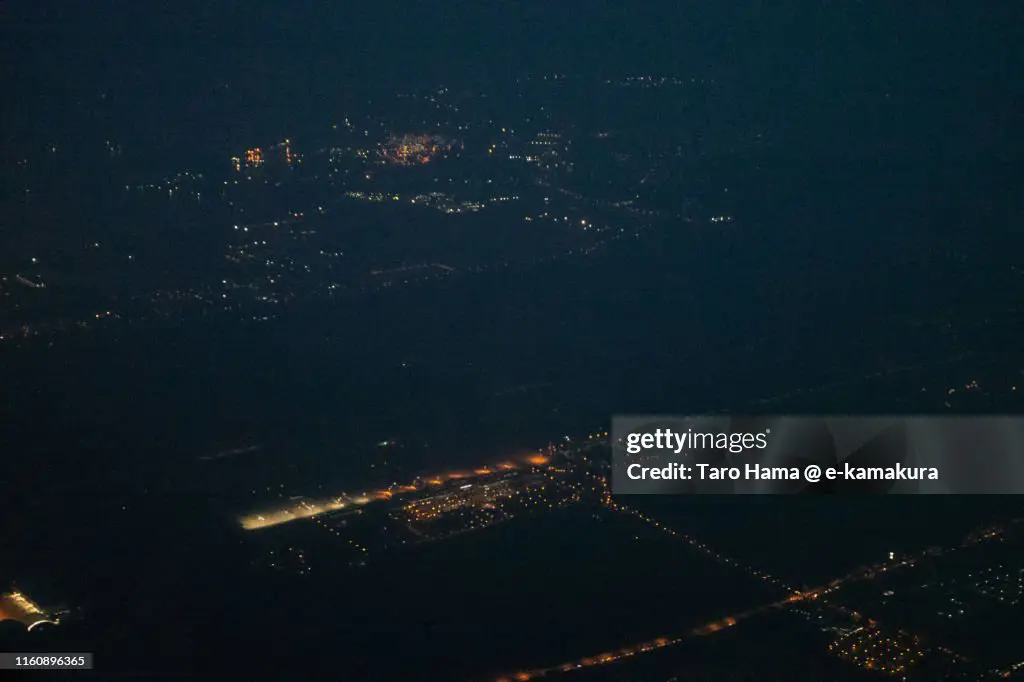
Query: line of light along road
{"points": [[296, 510], [795, 596]]}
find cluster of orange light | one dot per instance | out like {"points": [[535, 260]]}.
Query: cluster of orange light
{"points": [[304, 509], [25, 603], [16, 606], [591, 661], [716, 626], [254, 157], [411, 149]]}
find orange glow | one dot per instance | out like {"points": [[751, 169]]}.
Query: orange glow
{"points": [[16, 606], [407, 150], [254, 157], [306, 509]]}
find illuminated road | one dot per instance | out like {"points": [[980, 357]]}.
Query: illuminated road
{"points": [[816, 594], [295, 510], [643, 648]]}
